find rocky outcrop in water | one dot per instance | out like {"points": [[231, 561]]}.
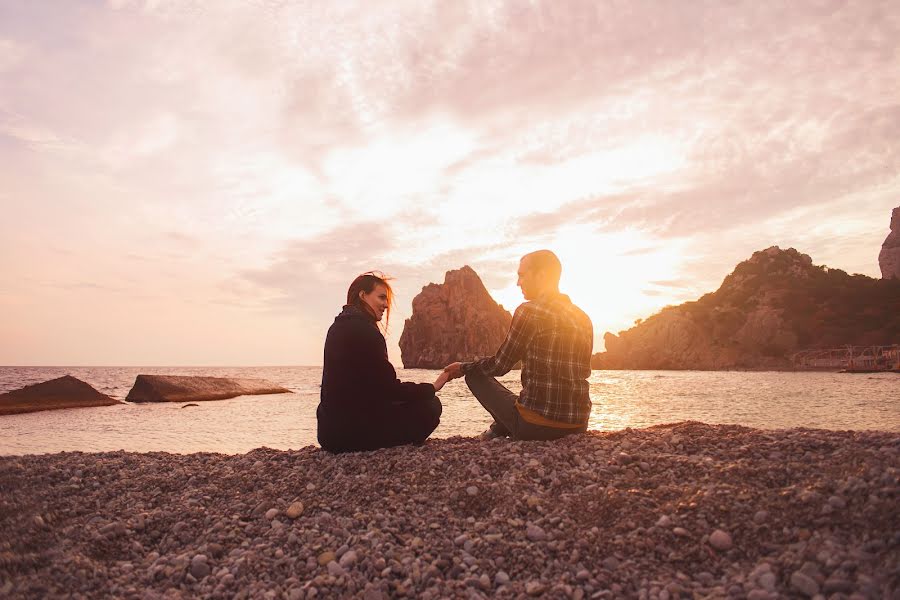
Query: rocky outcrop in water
{"points": [[63, 392], [889, 257], [453, 321], [771, 306], [181, 388], [680, 511]]}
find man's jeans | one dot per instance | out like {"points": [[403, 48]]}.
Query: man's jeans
{"points": [[501, 403]]}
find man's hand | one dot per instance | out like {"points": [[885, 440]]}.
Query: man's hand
{"points": [[443, 378], [454, 370]]}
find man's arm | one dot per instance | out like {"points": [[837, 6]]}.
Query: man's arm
{"points": [[512, 350]]}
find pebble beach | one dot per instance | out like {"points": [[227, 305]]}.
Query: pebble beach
{"points": [[685, 510]]}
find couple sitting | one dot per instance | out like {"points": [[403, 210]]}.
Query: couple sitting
{"points": [[364, 406]]}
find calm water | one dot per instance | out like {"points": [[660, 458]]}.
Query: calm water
{"points": [[621, 399]]}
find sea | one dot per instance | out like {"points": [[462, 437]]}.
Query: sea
{"points": [[621, 399]]}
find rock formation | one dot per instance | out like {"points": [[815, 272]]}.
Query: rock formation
{"points": [[63, 392], [889, 257], [771, 306], [182, 388], [456, 320]]}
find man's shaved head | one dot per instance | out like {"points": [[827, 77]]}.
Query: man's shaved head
{"points": [[546, 262]]}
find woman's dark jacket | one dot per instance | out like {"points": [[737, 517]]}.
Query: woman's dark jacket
{"points": [[360, 389]]}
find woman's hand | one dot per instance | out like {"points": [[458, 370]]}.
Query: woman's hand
{"points": [[443, 378]]}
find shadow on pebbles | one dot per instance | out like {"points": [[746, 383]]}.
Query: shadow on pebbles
{"points": [[686, 510]]}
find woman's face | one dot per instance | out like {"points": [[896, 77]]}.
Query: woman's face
{"points": [[377, 300]]}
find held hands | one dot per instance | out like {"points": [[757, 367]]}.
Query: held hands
{"points": [[443, 378], [454, 370], [451, 371]]}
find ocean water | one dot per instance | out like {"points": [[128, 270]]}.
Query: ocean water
{"points": [[770, 400]]}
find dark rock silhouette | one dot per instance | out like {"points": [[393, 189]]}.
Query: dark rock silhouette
{"points": [[453, 321], [183, 388], [63, 392], [771, 306], [889, 257]]}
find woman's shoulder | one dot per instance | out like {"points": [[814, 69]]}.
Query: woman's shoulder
{"points": [[353, 321]]}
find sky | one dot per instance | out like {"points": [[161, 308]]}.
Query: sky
{"points": [[197, 183]]}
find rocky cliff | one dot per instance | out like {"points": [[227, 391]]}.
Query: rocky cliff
{"points": [[771, 306], [889, 257], [456, 320]]}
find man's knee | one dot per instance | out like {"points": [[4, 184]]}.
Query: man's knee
{"points": [[476, 381]]}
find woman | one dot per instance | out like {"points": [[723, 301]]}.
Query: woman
{"points": [[363, 405]]}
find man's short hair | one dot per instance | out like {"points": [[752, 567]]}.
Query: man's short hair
{"points": [[546, 261]]}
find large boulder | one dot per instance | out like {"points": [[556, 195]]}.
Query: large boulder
{"points": [[889, 257], [183, 388], [63, 392], [454, 321]]}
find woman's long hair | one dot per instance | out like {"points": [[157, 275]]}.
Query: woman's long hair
{"points": [[366, 283]]}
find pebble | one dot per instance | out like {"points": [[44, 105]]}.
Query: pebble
{"points": [[294, 510], [767, 581], [535, 533], [395, 518], [271, 513], [199, 567], [837, 502], [610, 563], [348, 559], [804, 584], [534, 588], [720, 540], [472, 490]]}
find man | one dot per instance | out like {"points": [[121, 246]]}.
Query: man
{"points": [[553, 338]]}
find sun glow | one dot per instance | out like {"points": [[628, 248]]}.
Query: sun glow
{"points": [[609, 275]]}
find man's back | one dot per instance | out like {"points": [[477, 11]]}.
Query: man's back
{"points": [[557, 359]]}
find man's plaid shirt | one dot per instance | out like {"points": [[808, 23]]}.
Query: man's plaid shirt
{"points": [[553, 338]]}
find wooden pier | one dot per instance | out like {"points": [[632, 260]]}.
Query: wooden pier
{"points": [[850, 359]]}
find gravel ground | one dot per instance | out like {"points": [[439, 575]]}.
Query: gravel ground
{"points": [[675, 511]]}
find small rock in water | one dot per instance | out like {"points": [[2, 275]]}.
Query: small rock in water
{"points": [[325, 558], [720, 540], [501, 578], [663, 521], [271, 513], [472, 490]]}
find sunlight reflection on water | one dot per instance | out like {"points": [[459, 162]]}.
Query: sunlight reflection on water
{"points": [[621, 399]]}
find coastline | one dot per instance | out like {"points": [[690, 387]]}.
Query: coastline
{"points": [[631, 513]]}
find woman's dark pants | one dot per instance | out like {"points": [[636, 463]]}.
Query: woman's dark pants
{"points": [[398, 425], [501, 403]]}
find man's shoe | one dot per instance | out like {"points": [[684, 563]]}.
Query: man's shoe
{"points": [[490, 434]]}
